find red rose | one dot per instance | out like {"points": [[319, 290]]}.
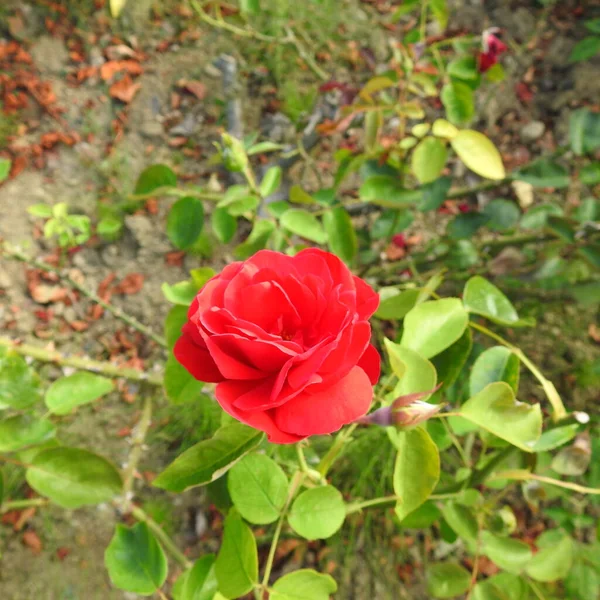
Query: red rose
{"points": [[492, 48], [287, 340]]}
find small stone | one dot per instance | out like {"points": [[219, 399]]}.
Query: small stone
{"points": [[532, 131], [212, 71], [151, 129]]}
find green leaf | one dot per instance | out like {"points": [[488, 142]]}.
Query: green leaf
{"points": [[552, 562], [584, 131], [433, 326], [340, 233], [561, 227], [444, 129], [449, 363], [428, 159], [201, 581], [465, 68], [257, 240], [154, 177], [484, 298], [509, 554], [304, 224], [416, 471], [397, 306], [462, 520], [135, 561], [415, 373], [465, 225], [494, 364], [572, 461], [182, 292], [590, 174], [457, 99], [270, 182], [479, 154], [43, 211], [78, 389], [299, 196], [258, 488], [209, 459], [387, 191], [236, 566], [21, 431], [252, 7], [583, 582], [317, 513], [585, 49], [544, 173], [504, 586], [390, 222], [180, 385], [554, 438], [71, 477], [185, 222], [502, 214], [304, 584], [424, 516], [434, 194], [496, 410], [593, 25], [447, 579], [110, 228], [263, 147], [537, 216], [176, 318], [5, 166], [19, 384]]}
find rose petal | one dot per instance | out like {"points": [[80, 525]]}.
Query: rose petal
{"points": [[370, 363], [228, 391], [328, 409], [367, 300], [196, 360], [230, 362]]}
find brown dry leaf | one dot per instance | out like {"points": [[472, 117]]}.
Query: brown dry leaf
{"points": [[124, 89], [32, 541], [178, 141], [131, 284], [45, 294], [119, 51], [197, 88], [124, 432], [594, 332], [24, 517], [109, 69], [79, 325], [62, 553]]}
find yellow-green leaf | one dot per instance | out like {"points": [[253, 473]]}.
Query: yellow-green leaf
{"points": [[479, 154]]}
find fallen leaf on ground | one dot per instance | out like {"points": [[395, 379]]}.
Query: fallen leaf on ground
{"points": [[197, 88], [32, 541], [109, 69], [130, 284], [124, 89]]}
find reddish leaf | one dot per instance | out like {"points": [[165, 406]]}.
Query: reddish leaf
{"points": [[197, 88], [124, 89], [109, 69], [32, 541], [130, 284]]}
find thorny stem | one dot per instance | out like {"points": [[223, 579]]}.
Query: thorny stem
{"points": [[167, 542], [137, 445], [297, 481], [524, 475], [16, 254], [558, 407], [21, 504], [77, 362]]}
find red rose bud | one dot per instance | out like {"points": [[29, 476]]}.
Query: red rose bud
{"points": [[287, 341], [492, 48]]}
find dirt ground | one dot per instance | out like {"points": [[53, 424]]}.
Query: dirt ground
{"points": [[86, 173]]}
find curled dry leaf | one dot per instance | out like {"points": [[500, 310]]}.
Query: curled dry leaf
{"points": [[130, 284], [124, 89], [197, 88], [109, 69]]}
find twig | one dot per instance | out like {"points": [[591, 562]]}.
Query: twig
{"points": [[21, 504], [524, 475], [137, 444], [16, 254], [77, 362], [379, 502]]}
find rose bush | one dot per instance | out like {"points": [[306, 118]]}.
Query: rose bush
{"points": [[287, 340]]}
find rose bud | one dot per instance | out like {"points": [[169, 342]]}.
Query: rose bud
{"points": [[233, 153], [405, 411], [287, 340]]}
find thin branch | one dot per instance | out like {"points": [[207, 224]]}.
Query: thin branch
{"points": [[524, 475], [16, 254], [77, 362], [21, 504], [137, 445]]}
